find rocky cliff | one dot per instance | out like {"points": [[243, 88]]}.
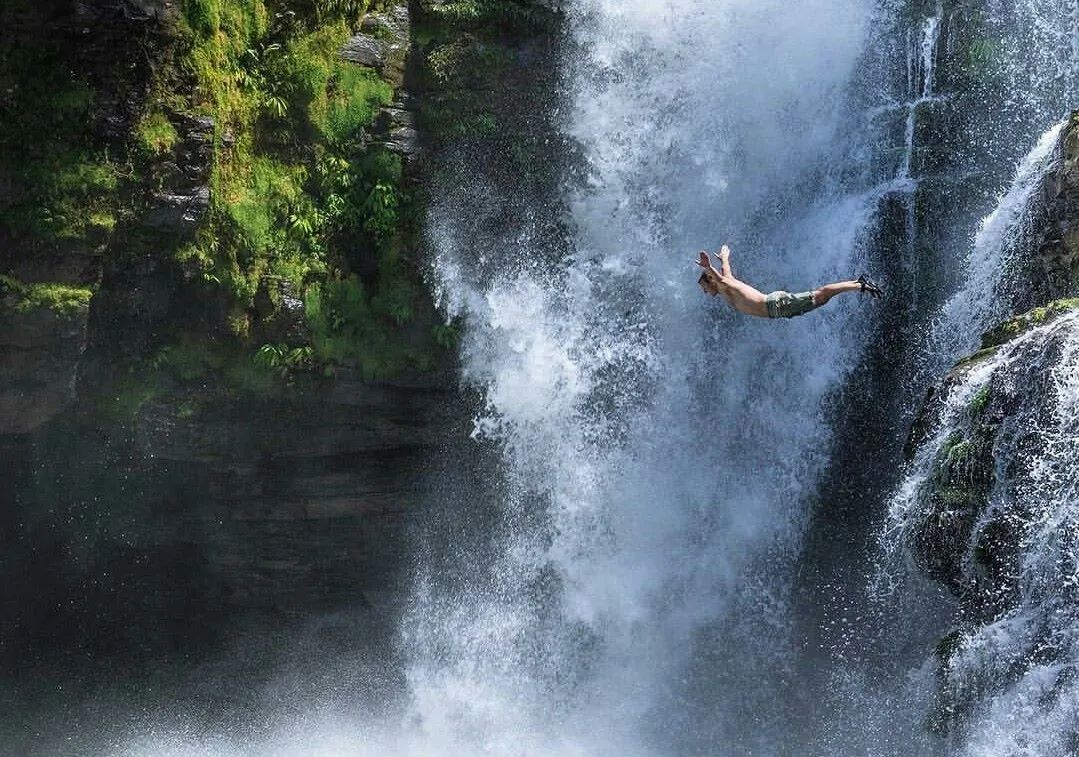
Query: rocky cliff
{"points": [[223, 372], [990, 508]]}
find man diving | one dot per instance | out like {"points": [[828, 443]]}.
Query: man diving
{"points": [[746, 299]]}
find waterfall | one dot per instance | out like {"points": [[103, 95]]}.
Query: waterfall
{"points": [[659, 449], [980, 301], [1028, 657], [1003, 677], [921, 74]]}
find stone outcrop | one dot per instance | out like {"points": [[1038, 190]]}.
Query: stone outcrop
{"points": [[994, 445], [956, 539], [382, 43], [40, 349], [1055, 269], [183, 197], [222, 469], [968, 463], [193, 494]]}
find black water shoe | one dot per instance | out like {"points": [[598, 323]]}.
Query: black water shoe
{"points": [[870, 287]]}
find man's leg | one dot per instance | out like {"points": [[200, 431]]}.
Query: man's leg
{"points": [[828, 291]]}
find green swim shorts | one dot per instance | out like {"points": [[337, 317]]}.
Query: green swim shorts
{"points": [[787, 305]]}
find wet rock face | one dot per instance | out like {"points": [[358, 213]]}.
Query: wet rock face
{"points": [[39, 356], [968, 527], [383, 42], [158, 546], [991, 516], [153, 520], [966, 538], [1056, 259], [183, 198]]}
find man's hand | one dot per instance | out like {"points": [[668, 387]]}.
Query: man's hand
{"points": [[710, 280], [709, 270]]}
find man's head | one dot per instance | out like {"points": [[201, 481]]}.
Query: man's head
{"points": [[708, 284]]}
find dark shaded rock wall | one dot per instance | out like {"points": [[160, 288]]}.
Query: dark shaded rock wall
{"points": [[177, 491], [142, 520]]}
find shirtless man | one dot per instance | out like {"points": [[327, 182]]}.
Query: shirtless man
{"points": [[746, 299]]}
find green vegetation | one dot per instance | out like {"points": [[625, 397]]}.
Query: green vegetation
{"points": [[517, 13], [61, 299], [282, 359], [963, 475], [980, 400], [155, 134], [295, 194], [296, 112], [299, 201], [63, 192], [975, 358], [193, 371], [1013, 327]]}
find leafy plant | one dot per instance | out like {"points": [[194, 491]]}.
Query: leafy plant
{"points": [[62, 299], [380, 209], [282, 359]]}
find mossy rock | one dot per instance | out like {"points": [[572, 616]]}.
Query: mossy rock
{"points": [[61, 299], [1020, 324], [980, 401]]}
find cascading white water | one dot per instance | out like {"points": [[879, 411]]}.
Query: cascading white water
{"points": [[1029, 657], [980, 301], [921, 75], [669, 454], [1013, 696]]}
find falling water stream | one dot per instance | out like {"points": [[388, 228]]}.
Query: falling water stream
{"points": [[668, 444]]}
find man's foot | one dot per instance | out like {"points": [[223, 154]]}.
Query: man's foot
{"points": [[869, 287]]}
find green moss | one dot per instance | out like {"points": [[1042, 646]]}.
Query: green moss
{"points": [[155, 134], [955, 497], [516, 13], [128, 393], [980, 400], [62, 299], [294, 108], [353, 327], [353, 102], [447, 335], [204, 16], [59, 179], [961, 453], [295, 193], [975, 358], [326, 96], [981, 58], [1013, 327]]}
